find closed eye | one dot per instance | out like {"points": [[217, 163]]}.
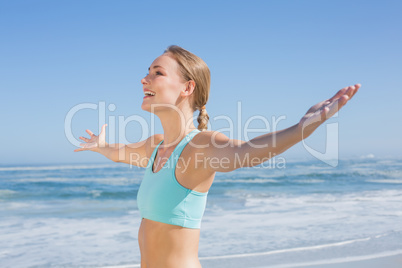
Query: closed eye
{"points": [[157, 73]]}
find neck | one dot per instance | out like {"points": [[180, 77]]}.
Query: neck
{"points": [[176, 125]]}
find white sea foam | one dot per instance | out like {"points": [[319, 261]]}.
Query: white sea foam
{"points": [[6, 193], [310, 181], [391, 162], [96, 193], [256, 180], [380, 196], [338, 244], [123, 266], [367, 156], [364, 172], [364, 247], [4, 253], [51, 242], [271, 175], [286, 221], [386, 181], [341, 260]]}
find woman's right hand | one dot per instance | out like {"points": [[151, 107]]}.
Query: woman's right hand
{"points": [[322, 111], [95, 142]]}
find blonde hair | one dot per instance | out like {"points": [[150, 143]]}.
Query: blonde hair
{"points": [[194, 68]]}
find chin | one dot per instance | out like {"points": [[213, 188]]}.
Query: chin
{"points": [[146, 108], [160, 108]]}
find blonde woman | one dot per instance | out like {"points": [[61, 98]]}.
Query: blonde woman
{"points": [[181, 163]]}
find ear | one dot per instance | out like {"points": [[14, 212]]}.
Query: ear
{"points": [[190, 86]]}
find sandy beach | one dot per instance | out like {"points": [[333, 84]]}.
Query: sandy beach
{"points": [[381, 260], [394, 261]]}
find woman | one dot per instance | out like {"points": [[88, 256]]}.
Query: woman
{"points": [[181, 164]]}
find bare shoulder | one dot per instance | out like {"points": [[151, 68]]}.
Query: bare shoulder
{"points": [[152, 142], [211, 137], [216, 151], [138, 153], [207, 136]]}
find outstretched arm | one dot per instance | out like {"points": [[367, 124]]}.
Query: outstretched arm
{"points": [[133, 154], [239, 154]]}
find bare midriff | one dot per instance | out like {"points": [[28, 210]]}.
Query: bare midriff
{"points": [[168, 246]]}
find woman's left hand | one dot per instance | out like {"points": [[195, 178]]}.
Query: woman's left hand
{"points": [[324, 110]]}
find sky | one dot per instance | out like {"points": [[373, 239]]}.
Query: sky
{"points": [[67, 66]]}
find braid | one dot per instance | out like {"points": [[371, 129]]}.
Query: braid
{"points": [[202, 119]]}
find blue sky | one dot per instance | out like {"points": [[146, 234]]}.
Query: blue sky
{"points": [[275, 58]]}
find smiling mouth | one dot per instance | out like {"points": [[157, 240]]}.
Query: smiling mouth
{"points": [[149, 93]]}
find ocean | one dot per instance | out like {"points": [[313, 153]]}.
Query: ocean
{"points": [[301, 212]]}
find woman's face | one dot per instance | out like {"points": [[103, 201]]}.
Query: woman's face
{"points": [[165, 84]]}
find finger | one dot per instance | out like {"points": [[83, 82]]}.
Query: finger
{"points": [[350, 91], [339, 93], [337, 105], [89, 132], [84, 139], [324, 114], [82, 149], [357, 86], [318, 106], [343, 100], [104, 128], [90, 145]]}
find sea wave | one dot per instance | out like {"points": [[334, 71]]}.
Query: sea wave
{"points": [[336, 201], [243, 180], [317, 247], [62, 167], [106, 180], [6, 193], [386, 181]]}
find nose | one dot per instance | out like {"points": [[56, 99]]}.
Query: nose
{"points": [[144, 80]]}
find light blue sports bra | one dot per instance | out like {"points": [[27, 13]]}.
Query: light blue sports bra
{"points": [[162, 198]]}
